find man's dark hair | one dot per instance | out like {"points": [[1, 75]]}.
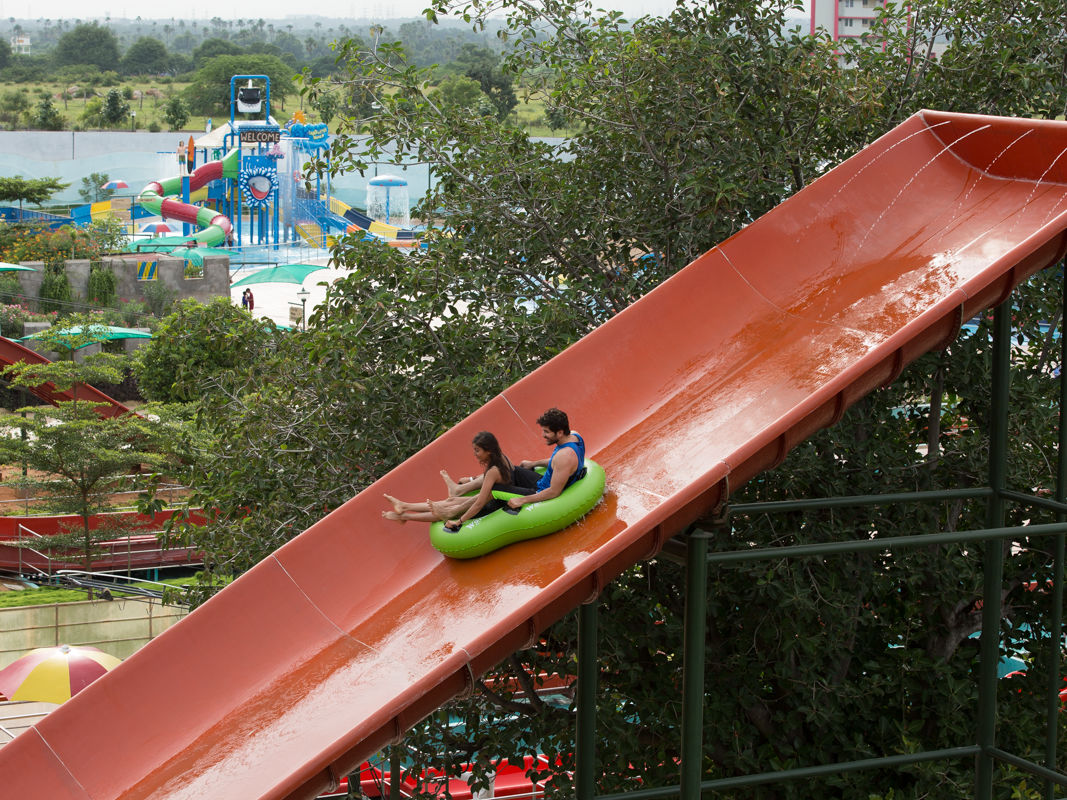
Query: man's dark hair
{"points": [[555, 420]]}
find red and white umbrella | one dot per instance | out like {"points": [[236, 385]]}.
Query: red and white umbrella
{"points": [[158, 227], [119, 184], [54, 674]]}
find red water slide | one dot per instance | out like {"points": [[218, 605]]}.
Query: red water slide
{"points": [[346, 636], [13, 352]]}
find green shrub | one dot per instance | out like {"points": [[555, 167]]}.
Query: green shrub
{"points": [[160, 297], [102, 285], [55, 291], [10, 288], [133, 313]]}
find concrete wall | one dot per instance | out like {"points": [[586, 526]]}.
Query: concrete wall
{"points": [[215, 281], [118, 627]]}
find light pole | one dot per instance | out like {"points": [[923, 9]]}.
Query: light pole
{"points": [[303, 295]]}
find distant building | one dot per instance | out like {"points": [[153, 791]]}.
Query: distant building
{"points": [[20, 45], [852, 20]]}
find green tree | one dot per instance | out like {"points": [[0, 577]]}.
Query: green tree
{"points": [[46, 116], [146, 56], [102, 285], [327, 104], [482, 65], [31, 190], [93, 190], [194, 346], [55, 293], [210, 48], [209, 93], [86, 457], [460, 91], [5, 54], [175, 113], [88, 44], [14, 104], [106, 235], [116, 109]]}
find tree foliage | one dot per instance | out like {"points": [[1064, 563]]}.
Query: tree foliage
{"points": [[31, 190], [46, 116], [209, 92], [194, 345], [690, 126], [146, 56], [92, 189], [176, 113], [115, 110], [84, 456], [88, 44]]}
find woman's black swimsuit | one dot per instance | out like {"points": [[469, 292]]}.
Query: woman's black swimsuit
{"points": [[523, 481]]}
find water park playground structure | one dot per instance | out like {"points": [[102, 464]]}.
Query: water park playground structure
{"points": [[242, 185], [251, 184], [684, 396]]}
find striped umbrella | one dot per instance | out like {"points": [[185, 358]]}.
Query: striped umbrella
{"points": [[158, 227], [54, 674], [115, 185]]}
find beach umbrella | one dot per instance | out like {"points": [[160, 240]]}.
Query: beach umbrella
{"points": [[6, 267], [54, 674], [287, 273], [99, 333], [115, 185], [158, 227]]}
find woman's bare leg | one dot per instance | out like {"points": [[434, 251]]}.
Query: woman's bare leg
{"points": [[456, 489], [410, 516], [428, 511], [401, 507], [450, 508]]}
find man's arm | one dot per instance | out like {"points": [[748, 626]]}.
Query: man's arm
{"points": [[533, 463], [565, 465]]}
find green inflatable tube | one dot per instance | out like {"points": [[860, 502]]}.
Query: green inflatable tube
{"points": [[483, 535]]}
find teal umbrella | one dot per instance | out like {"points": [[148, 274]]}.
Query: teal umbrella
{"points": [[99, 333], [6, 267], [287, 273]]}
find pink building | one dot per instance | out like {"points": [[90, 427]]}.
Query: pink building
{"points": [[853, 19]]}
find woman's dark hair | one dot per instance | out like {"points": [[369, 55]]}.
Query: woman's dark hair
{"points": [[487, 441]]}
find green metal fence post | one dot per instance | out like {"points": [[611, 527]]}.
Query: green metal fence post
{"points": [[394, 772], [994, 551], [585, 738], [693, 645], [1052, 713]]}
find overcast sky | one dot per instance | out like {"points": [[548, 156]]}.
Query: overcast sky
{"points": [[254, 9]]}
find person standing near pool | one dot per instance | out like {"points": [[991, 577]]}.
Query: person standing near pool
{"points": [[563, 467]]}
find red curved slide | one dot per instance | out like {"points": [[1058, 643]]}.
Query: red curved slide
{"points": [[13, 352], [344, 637]]}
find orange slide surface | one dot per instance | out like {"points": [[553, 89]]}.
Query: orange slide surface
{"points": [[343, 638], [13, 352]]}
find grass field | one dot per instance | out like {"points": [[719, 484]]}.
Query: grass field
{"points": [[150, 97]]}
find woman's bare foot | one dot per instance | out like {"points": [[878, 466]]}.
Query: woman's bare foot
{"points": [[399, 506], [394, 516], [454, 489]]}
